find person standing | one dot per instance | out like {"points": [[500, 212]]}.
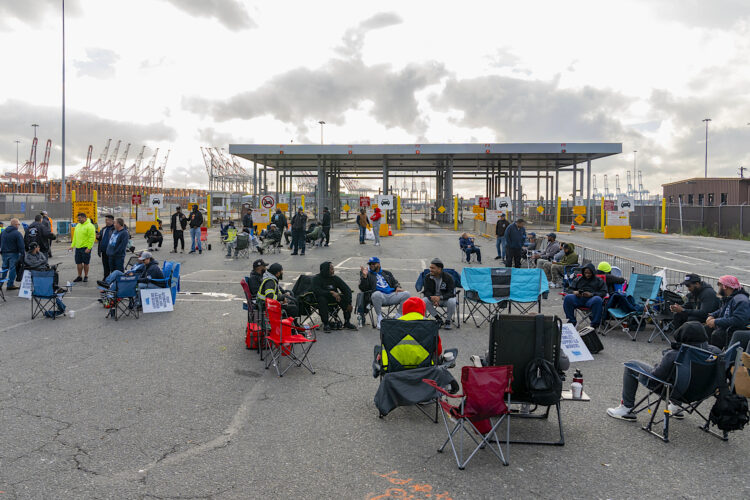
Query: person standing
{"points": [[11, 248], [362, 224], [47, 222], [515, 236], [280, 220], [247, 219], [118, 246], [326, 224], [196, 221], [39, 233], [103, 237], [178, 223], [500, 243], [376, 220], [299, 222], [83, 241]]}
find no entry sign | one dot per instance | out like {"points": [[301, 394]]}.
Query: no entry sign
{"points": [[268, 202], [364, 201]]}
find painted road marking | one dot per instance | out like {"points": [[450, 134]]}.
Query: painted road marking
{"points": [[739, 269], [688, 257], [714, 250]]}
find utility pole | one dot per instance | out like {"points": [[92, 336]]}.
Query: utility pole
{"points": [[17, 143], [635, 152], [706, 120], [63, 187], [321, 130]]}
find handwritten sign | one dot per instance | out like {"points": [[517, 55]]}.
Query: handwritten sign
{"points": [[24, 291], [573, 346], [156, 300]]}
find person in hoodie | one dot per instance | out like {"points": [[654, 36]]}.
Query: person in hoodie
{"points": [[270, 287], [40, 233], [734, 313], [153, 237], [146, 270], [701, 301], [605, 268], [118, 246], [103, 238], [12, 250], [376, 219], [555, 269], [515, 236], [280, 220], [326, 224], [327, 288], [691, 333], [588, 291]]}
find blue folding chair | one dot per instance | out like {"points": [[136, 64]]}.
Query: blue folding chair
{"points": [[124, 297], [642, 294], [171, 272], [44, 300], [3, 280], [486, 292]]}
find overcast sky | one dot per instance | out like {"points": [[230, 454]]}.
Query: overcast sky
{"points": [[180, 74]]}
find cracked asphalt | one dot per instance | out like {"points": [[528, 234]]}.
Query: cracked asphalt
{"points": [[173, 406]]}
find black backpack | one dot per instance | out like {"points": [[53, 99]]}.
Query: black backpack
{"points": [[542, 379], [730, 411]]}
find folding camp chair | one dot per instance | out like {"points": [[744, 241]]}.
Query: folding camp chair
{"points": [[365, 309], [513, 342], [407, 354], [697, 376], [256, 327], [284, 339], [527, 289], [44, 299], [124, 297], [419, 285], [308, 303], [486, 396], [243, 246], [463, 252], [231, 236], [486, 292], [643, 291]]}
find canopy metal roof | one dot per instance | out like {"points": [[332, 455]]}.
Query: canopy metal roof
{"points": [[466, 157]]}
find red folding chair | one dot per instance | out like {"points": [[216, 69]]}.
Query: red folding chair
{"points": [[284, 340], [486, 396], [204, 238]]}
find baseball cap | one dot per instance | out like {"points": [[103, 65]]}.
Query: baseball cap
{"points": [[552, 235], [373, 260], [691, 278], [520, 221], [259, 262], [437, 262], [275, 268], [145, 255], [532, 234]]}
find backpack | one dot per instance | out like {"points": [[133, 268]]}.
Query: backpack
{"points": [[730, 411], [542, 379]]}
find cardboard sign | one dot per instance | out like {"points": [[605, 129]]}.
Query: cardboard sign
{"points": [[484, 202], [156, 300], [364, 201], [625, 203], [573, 346], [24, 291], [504, 204]]}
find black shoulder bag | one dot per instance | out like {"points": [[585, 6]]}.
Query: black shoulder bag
{"points": [[544, 383]]}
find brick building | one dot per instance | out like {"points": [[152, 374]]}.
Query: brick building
{"points": [[711, 191]]}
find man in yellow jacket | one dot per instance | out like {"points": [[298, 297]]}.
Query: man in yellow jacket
{"points": [[83, 241]]}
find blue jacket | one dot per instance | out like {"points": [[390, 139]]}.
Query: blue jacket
{"points": [[466, 243], [11, 241], [734, 312], [118, 243], [104, 235], [515, 236]]}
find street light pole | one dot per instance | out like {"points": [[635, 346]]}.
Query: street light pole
{"points": [[62, 182], [635, 152], [17, 143], [321, 130], [706, 120]]}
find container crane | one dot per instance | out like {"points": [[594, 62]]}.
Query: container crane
{"points": [[607, 194], [618, 192]]}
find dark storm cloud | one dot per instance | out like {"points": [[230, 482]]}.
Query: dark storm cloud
{"points": [[354, 38], [230, 13], [99, 63], [30, 11], [327, 92], [81, 130]]}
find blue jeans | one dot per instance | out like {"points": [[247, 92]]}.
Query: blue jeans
{"points": [[298, 241], [630, 381], [362, 232], [195, 235], [9, 262], [571, 303], [499, 246]]}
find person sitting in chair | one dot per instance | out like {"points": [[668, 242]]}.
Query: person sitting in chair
{"points": [[734, 313], [588, 290], [329, 287], [232, 245], [701, 301], [691, 333], [272, 237], [35, 259], [315, 233], [468, 247], [385, 288], [270, 288], [555, 269], [146, 270], [440, 290], [224, 229], [606, 269], [549, 251], [256, 276], [153, 236]]}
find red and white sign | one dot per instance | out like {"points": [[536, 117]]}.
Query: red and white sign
{"points": [[135, 199], [268, 202], [484, 202], [609, 205], [364, 201]]}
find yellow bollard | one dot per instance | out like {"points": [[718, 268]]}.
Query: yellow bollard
{"points": [[557, 225]]}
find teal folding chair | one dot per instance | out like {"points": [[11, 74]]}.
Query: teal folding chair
{"points": [[643, 293]]}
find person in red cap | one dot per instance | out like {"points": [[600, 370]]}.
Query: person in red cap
{"points": [[414, 308], [734, 313]]}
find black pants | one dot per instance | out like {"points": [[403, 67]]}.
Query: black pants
{"points": [[683, 317], [155, 239], [298, 240], [105, 264], [325, 298], [327, 233], [741, 336], [513, 257], [178, 235], [291, 309], [719, 338]]}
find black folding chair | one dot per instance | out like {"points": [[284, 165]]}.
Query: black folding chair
{"points": [[308, 303], [513, 342]]}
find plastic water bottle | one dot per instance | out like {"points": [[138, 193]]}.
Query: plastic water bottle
{"points": [[308, 332], [577, 386]]}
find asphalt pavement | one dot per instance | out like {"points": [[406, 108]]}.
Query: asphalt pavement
{"points": [[172, 405]]}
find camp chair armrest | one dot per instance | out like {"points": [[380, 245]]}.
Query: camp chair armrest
{"points": [[640, 371], [434, 385], [451, 363]]}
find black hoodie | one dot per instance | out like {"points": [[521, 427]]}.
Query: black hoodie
{"points": [[691, 333], [324, 282], [595, 285]]}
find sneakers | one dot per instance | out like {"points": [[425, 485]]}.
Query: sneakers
{"points": [[200, 251], [191, 251], [447, 325], [349, 326], [380, 318], [622, 412], [498, 258], [85, 279], [11, 287], [102, 284], [78, 280], [552, 285], [676, 411], [173, 251]]}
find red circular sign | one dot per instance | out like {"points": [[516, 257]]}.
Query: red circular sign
{"points": [[267, 201]]}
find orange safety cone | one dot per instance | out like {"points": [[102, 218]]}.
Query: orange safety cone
{"points": [[572, 226], [390, 233]]}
